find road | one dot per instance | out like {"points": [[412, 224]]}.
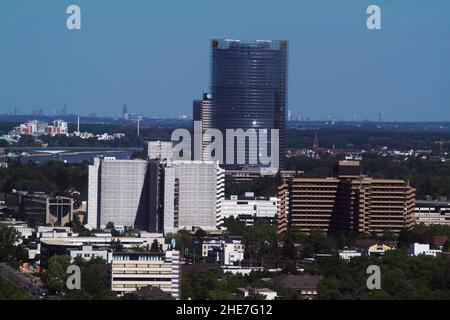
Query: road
{"points": [[17, 278]]}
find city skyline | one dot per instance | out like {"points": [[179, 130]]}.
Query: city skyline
{"points": [[154, 57]]}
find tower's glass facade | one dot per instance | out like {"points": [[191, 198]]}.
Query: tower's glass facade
{"points": [[249, 86]]}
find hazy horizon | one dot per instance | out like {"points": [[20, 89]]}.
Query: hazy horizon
{"points": [[154, 56]]}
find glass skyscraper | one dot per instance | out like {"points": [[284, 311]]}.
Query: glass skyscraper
{"points": [[249, 86]]}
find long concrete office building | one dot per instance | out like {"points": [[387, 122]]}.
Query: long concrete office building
{"points": [[119, 193], [40, 207], [193, 195], [155, 195], [131, 271], [347, 202], [430, 212]]}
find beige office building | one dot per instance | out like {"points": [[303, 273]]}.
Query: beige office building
{"points": [[133, 270], [349, 202]]}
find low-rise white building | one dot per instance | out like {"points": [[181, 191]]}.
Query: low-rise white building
{"points": [[416, 249], [432, 212], [241, 270], [133, 270], [233, 252], [145, 241], [227, 251], [25, 232], [347, 254], [249, 208], [88, 252], [266, 293]]}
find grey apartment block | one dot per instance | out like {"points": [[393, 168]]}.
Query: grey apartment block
{"points": [[161, 150], [192, 194], [155, 195], [118, 192], [93, 171]]}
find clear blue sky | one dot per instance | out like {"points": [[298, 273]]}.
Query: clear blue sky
{"points": [[154, 55]]}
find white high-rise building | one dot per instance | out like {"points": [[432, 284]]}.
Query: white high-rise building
{"points": [[92, 205], [118, 193], [193, 193], [161, 150]]}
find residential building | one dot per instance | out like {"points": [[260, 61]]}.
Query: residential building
{"points": [[346, 202], [432, 212], [226, 250], [58, 127], [230, 252], [151, 293], [36, 128], [439, 242], [304, 285]]}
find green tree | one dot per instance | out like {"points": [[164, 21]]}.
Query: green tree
{"points": [[260, 240], [110, 225], [198, 285], [117, 245], [234, 227], [94, 281], [183, 239], [10, 249], [155, 246], [55, 276]]}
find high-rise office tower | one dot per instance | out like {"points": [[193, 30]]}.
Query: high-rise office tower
{"points": [[202, 111], [161, 150], [249, 87]]}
